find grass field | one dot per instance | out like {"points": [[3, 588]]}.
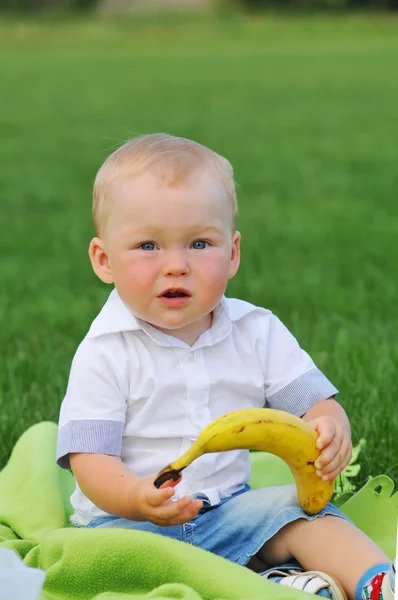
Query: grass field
{"points": [[305, 109]]}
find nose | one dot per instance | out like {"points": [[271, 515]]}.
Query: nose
{"points": [[176, 263]]}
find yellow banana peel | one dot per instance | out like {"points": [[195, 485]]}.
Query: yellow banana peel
{"points": [[269, 430]]}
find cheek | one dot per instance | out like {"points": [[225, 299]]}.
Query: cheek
{"points": [[215, 270], [132, 271]]}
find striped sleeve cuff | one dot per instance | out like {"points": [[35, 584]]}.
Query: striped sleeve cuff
{"points": [[302, 393], [90, 436]]}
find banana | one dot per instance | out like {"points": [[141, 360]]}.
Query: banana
{"points": [[269, 430]]}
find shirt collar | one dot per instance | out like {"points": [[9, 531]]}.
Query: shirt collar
{"points": [[116, 317]]}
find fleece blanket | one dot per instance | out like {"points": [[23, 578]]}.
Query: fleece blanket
{"points": [[90, 564]]}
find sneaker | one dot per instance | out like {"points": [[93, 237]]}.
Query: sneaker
{"points": [[388, 584], [313, 582]]}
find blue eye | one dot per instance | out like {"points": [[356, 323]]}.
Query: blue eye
{"points": [[147, 246], [200, 245]]}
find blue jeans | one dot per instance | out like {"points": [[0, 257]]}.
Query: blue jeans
{"points": [[237, 527]]}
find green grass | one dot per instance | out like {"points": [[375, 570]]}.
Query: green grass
{"points": [[305, 109]]}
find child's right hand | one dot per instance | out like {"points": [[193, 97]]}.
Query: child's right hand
{"points": [[155, 505]]}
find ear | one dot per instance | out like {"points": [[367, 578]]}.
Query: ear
{"points": [[99, 260], [235, 255]]}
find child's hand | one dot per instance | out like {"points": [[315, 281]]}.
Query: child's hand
{"points": [[334, 441], [155, 505]]}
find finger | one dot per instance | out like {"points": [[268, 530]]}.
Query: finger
{"points": [[349, 454], [170, 510], [171, 483], [331, 476], [155, 497], [337, 465], [328, 455], [330, 451], [333, 455], [190, 512], [178, 512], [333, 464], [326, 431]]}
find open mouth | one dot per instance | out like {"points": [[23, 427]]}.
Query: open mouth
{"points": [[175, 294]]}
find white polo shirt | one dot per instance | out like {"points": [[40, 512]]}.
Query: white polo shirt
{"points": [[143, 395]]}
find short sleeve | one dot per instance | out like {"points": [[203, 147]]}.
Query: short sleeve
{"points": [[292, 382], [92, 415]]}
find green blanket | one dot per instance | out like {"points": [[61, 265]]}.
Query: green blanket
{"points": [[87, 564]]}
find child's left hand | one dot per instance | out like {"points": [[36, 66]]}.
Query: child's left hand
{"points": [[334, 441]]}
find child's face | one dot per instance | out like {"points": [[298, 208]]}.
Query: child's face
{"points": [[161, 239]]}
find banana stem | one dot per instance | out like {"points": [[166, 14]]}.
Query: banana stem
{"points": [[166, 476]]}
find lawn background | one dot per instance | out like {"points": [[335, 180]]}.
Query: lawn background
{"points": [[305, 108]]}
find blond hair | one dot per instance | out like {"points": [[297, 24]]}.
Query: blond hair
{"points": [[173, 159]]}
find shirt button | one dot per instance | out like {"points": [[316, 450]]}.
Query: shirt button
{"points": [[190, 357]]}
